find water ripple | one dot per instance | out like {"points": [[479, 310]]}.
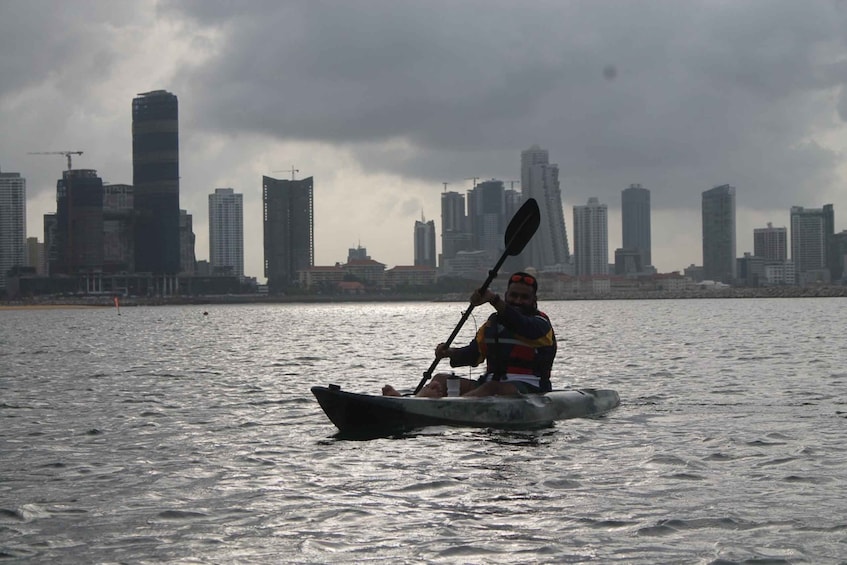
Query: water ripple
{"points": [[166, 436]]}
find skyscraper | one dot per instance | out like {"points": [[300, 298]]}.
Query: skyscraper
{"points": [[118, 245], [35, 255], [811, 237], [12, 224], [635, 221], [486, 216], [226, 231], [155, 178], [455, 234], [424, 243], [540, 180], [718, 211], [771, 243], [187, 257], [289, 231], [591, 238], [79, 223]]}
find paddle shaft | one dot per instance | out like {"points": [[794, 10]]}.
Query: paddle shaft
{"points": [[465, 316]]}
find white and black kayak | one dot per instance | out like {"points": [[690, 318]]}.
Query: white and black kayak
{"points": [[354, 413]]}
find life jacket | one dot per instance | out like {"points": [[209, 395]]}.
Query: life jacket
{"points": [[514, 354]]}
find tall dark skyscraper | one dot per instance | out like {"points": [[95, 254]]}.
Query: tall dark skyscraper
{"points": [[289, 227], [718, 210], [79, 220], [455, 233], [424, 242], [486, 215], [155, 179], [635, 221]]}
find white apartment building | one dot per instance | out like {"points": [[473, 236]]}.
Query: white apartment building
{"points": [[12, 224], [226, 231], [591, 238]]}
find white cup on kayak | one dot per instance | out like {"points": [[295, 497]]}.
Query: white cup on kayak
{"points": [[453, 388]]}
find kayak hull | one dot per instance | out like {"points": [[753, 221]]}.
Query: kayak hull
{"points": [[354, 413]]}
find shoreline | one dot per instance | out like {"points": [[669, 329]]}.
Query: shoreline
{"points": [[107, 301]]}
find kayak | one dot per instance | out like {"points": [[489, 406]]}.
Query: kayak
{"points": [[354, 413]]}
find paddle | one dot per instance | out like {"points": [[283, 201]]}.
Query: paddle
{"points": [[518, 233]]}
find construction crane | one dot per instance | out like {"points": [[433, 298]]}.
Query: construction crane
{"points": [[292, 170], [512, 183], [65, 153], [445, 185], [474, 179]]}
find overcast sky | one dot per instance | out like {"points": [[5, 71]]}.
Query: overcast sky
{"points": [[383, 101]]}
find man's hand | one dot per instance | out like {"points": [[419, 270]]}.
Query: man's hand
{"points": [[478, 298]]}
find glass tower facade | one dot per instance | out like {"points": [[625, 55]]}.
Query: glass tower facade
{"points": [[635, 221], [425, 243], [718, 212], [155, 179]]}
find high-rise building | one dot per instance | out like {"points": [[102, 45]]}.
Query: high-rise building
{"points": [[289, 230], [118, 245], [12, 224], [226, 231], [770, 243], [718, 211], [486, 216], [628, 262], [35, 255], [155, 178], [79, 223], [455, 232], [51, 243], [635, 221], [811, 238], [187, 257], [540, 180], [358, 253], [424, 242], [839, 252], [591, 238]]}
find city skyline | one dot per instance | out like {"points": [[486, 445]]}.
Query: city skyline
{"points": [[707, 97]]}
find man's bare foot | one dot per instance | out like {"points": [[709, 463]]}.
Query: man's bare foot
{"points": [[389, 390]]}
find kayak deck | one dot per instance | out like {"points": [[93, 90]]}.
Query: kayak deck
{"points": [[354, 413]]}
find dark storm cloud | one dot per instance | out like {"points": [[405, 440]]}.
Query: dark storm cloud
{"points": [[47, 41], [680, 96]]}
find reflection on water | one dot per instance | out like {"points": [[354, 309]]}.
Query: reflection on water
{"points": [[166, 435]]}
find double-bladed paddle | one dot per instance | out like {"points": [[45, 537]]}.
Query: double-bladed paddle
{"points": [[518, 233]]}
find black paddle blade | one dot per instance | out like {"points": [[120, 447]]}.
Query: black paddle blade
{"points": [[523, 226]]}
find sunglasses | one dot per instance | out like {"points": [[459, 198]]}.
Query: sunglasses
{"points": [[526, 279]]}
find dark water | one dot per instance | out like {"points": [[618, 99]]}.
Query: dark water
{"points": [[166, 435]]}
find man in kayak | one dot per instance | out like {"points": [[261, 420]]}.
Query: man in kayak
{"points": [[517, 342]]}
